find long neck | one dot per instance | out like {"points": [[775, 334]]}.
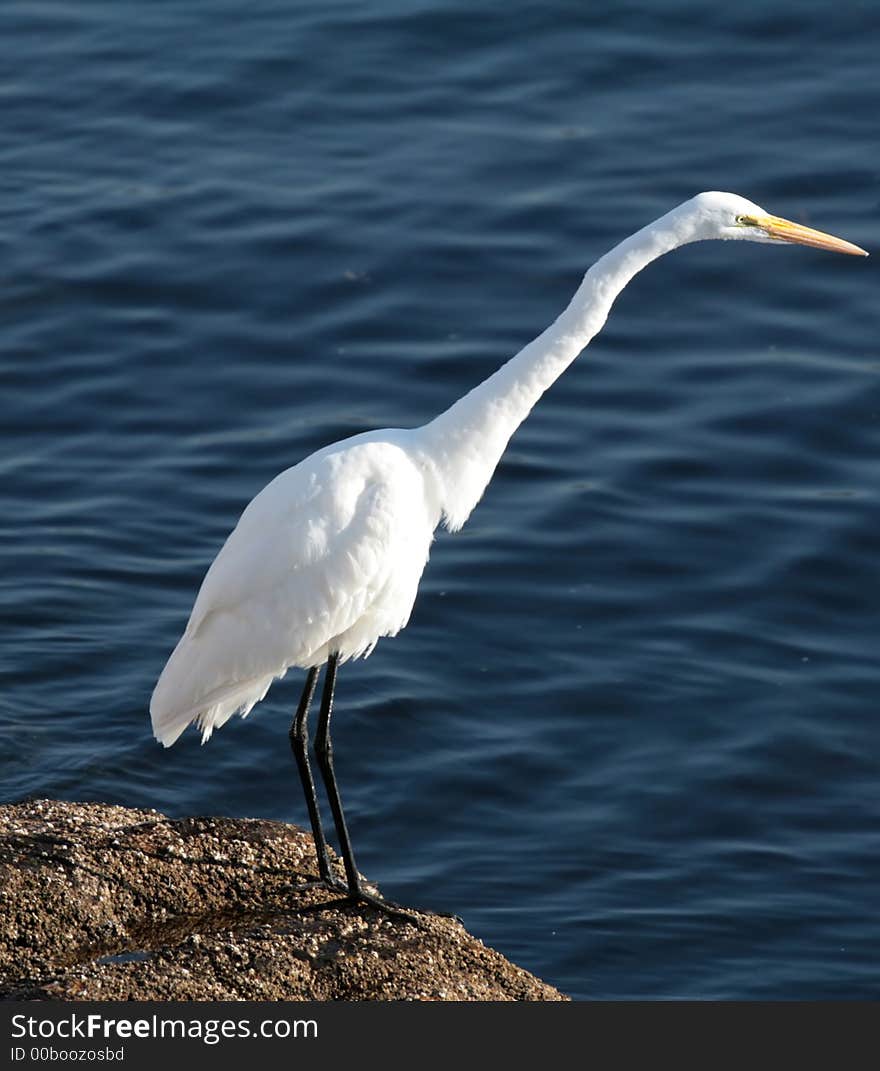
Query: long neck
{"points": [[465, 443]]}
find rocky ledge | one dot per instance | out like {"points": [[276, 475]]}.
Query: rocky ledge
{"points": [[105, 903]]}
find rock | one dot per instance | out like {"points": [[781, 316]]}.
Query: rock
{"points": [[99, 902]]}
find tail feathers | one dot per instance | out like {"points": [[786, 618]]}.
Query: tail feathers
{"points": [[209, 714]]}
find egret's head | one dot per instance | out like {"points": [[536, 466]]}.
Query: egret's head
{"points": [[726, 215]]}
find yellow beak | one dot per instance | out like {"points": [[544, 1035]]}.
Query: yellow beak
{"points": [[786, 231]]}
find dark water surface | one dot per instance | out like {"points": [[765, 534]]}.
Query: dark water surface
{"points": [[631, 735]]}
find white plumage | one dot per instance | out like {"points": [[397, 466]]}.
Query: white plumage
{"points": [[327, 558]]}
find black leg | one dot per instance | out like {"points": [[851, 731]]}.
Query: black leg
{"points": [[299, 745], [324, 755]]}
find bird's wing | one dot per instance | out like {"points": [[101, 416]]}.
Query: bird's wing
{"points": [[309, 557]]}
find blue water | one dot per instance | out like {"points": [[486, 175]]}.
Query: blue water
{"points": [[631, 734]]}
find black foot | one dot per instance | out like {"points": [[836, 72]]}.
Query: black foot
{"points": [[387, 907], [331, 884], [334, 884], [362, 896], [347, 899]]}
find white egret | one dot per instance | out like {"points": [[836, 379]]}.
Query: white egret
{"points": [[326, 560]]}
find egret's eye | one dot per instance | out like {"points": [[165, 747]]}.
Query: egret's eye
{"points": [[746, 221]]}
